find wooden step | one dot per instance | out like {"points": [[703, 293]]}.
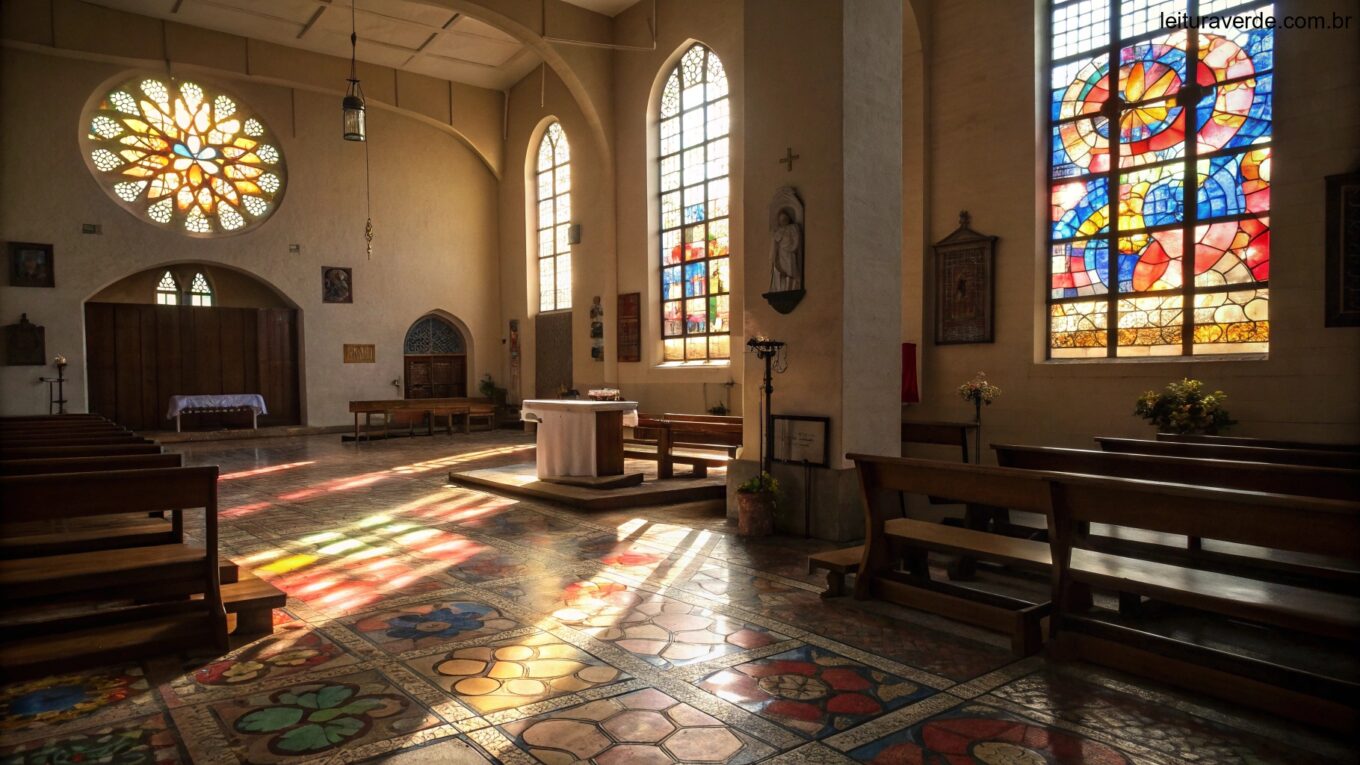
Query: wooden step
{"points": [[252, 600], [29, 578], [44, 654], [837, 564]]}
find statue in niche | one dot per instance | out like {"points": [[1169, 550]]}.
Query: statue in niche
{"points": [[786, 250]]}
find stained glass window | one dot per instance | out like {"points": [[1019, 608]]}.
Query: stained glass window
{"points": [[184, 156], [1159, 179], [167, 291], [199, 291], [554, 219], [433, 336], [695, 196]]}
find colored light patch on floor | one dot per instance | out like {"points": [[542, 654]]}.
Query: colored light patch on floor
{"points": [[510, 673], [812, 691], [148, 740], [59, 699], [291, 650], [645, 726], [429, 624]]}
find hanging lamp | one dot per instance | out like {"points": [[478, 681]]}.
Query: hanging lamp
{"points": [[353, 106]]}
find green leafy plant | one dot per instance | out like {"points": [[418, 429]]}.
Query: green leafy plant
{"points": [[719, 410], [763, 483], [1184, 407]]}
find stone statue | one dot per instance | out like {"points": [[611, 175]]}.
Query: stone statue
{"points": [[786, 241]]}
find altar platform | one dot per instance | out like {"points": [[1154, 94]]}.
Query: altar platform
{"points": [[521, 480]]}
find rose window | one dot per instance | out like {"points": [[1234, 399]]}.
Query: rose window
{"points": [[184, 156]]}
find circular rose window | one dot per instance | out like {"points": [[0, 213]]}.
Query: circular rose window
{"points": [[184, 156]]}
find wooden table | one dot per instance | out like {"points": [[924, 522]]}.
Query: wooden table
{"points": [[579, 438], [227, 402]]}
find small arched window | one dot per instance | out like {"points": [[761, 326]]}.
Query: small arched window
{"points": [[554, 218], [695, 204], [167, 291], [199, 291]]}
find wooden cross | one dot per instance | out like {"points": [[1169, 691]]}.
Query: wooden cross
{"points": [[788, 158]]}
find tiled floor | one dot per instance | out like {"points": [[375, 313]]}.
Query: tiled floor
{"points": [[432, 624]]}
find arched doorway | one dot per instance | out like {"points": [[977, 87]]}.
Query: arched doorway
{"points": [[436, 359]]}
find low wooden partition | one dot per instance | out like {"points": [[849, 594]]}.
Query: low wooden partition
{"points": [[698, 440], [467, 409], [1267, 443]]}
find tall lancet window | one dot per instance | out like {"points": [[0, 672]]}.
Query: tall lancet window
{"points": [[554, 220], [199, 291], [1159, 178], [167, 291], [695, 195]]}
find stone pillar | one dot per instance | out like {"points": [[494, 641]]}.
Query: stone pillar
{"points": [[824, 78]]}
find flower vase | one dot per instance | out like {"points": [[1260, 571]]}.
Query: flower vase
{"points": [[977, 443]]}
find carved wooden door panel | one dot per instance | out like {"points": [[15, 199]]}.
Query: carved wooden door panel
{"points": [[418, 377]]}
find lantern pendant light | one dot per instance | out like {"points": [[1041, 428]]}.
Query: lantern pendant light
{"points": [[353, 105]]}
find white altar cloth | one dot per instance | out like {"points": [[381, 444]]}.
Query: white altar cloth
{"points": [[223, 402], [566, 433]]}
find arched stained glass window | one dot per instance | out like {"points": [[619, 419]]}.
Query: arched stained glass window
{"points": [[554, 218], [167, 291], [433, 335], [199, 291], [184, 156], [1160, 180], [695, 196]]}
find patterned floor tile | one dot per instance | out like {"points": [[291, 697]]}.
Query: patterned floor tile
{"points": [[320, 717], [56, 700], [638, 728], [979, 734], [426, 625], [515, 672], [292, 649], [143, 741], [812, 691]]}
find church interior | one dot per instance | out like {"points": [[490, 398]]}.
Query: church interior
{"points": [[680, 381]]}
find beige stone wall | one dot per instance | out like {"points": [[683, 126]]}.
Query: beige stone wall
{"points": [[985, 155], [230, 288]]}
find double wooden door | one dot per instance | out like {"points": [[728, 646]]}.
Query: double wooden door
{"points": [[436, 376]]}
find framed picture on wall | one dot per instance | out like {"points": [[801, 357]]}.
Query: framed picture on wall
{"points": [[801, 440], [1343, 250], [964, 292], [30, 265], [337, 285]]}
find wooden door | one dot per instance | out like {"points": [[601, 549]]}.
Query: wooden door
{"points": [[418, 374], [441, 376]]}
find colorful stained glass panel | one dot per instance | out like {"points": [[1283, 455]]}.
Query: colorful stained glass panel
{"points": [[672, 285], [696, 279], [1236, 114], [1150, 326], [1228, 54], [1080, 26], [1079, 268], [1233, 184], [674, 350], [1152, 69], [1149, 262], [1080, 87], [1080, 208], [1240, 319], [1151, 132], [672, 321], [1151, 197], [1081, 147], [1232, 252], [1078, 330]]}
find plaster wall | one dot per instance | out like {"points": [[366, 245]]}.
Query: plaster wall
{"points": [[434, 209], [985, 154], [231, 288]]}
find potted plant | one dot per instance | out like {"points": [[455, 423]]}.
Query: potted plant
{"points": [[1184, 407], [755, 505]]}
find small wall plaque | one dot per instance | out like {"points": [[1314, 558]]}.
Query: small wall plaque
{"points": [[360, 354], [630, 326], [964, 294], [25, 344], [31, 265]]}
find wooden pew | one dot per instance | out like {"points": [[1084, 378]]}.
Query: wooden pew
{"points": [[1297, 524], [87, 464], [468, 409], [1317, 458], [72, 440], [160, 578], [679, 439], [1267, 443], [939, 433], [8, 452], [884, 479], [1304, 480]]}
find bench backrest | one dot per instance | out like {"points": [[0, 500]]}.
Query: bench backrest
{"points": [[75, 495], [412, 404], [1305, 480], [974, 484], [1228, 452], [87, 464], [52, 418], [1269, 443], [1276, 521], [723, 418], [696, 431], [61, 439], [94, 450]]}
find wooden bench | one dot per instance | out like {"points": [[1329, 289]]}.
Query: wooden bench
{"points": [[700, 441], [1315, 457], [87, 464], [1331, 483], [1298, 524], [953, 434], [884, 479], [160, 578], [72, 440], [1268, 443], [468, 409], [88, 450]]}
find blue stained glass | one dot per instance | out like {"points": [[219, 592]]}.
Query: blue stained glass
{"points": [[1081, 209], [1233, 115], [1234, 184], [670, 282], [1081, 268], [1079, 87], [694, 214], [1127, 261], [1081, 147], [1162, 205], [433, 335], [696, 279]]}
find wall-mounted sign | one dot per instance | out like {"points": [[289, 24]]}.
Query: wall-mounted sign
{"points": [[802, 440], [630, 326], [360, 354]]}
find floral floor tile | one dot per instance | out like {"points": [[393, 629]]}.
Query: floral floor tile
{"points": [[429, 624], [514, 672], [812, 691], [139, 741], [638, 728], [980, 734], [315, 718], [61, 699], [293, 648]]}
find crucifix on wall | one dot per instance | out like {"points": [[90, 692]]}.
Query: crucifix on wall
{"points": [[788, 158]]}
